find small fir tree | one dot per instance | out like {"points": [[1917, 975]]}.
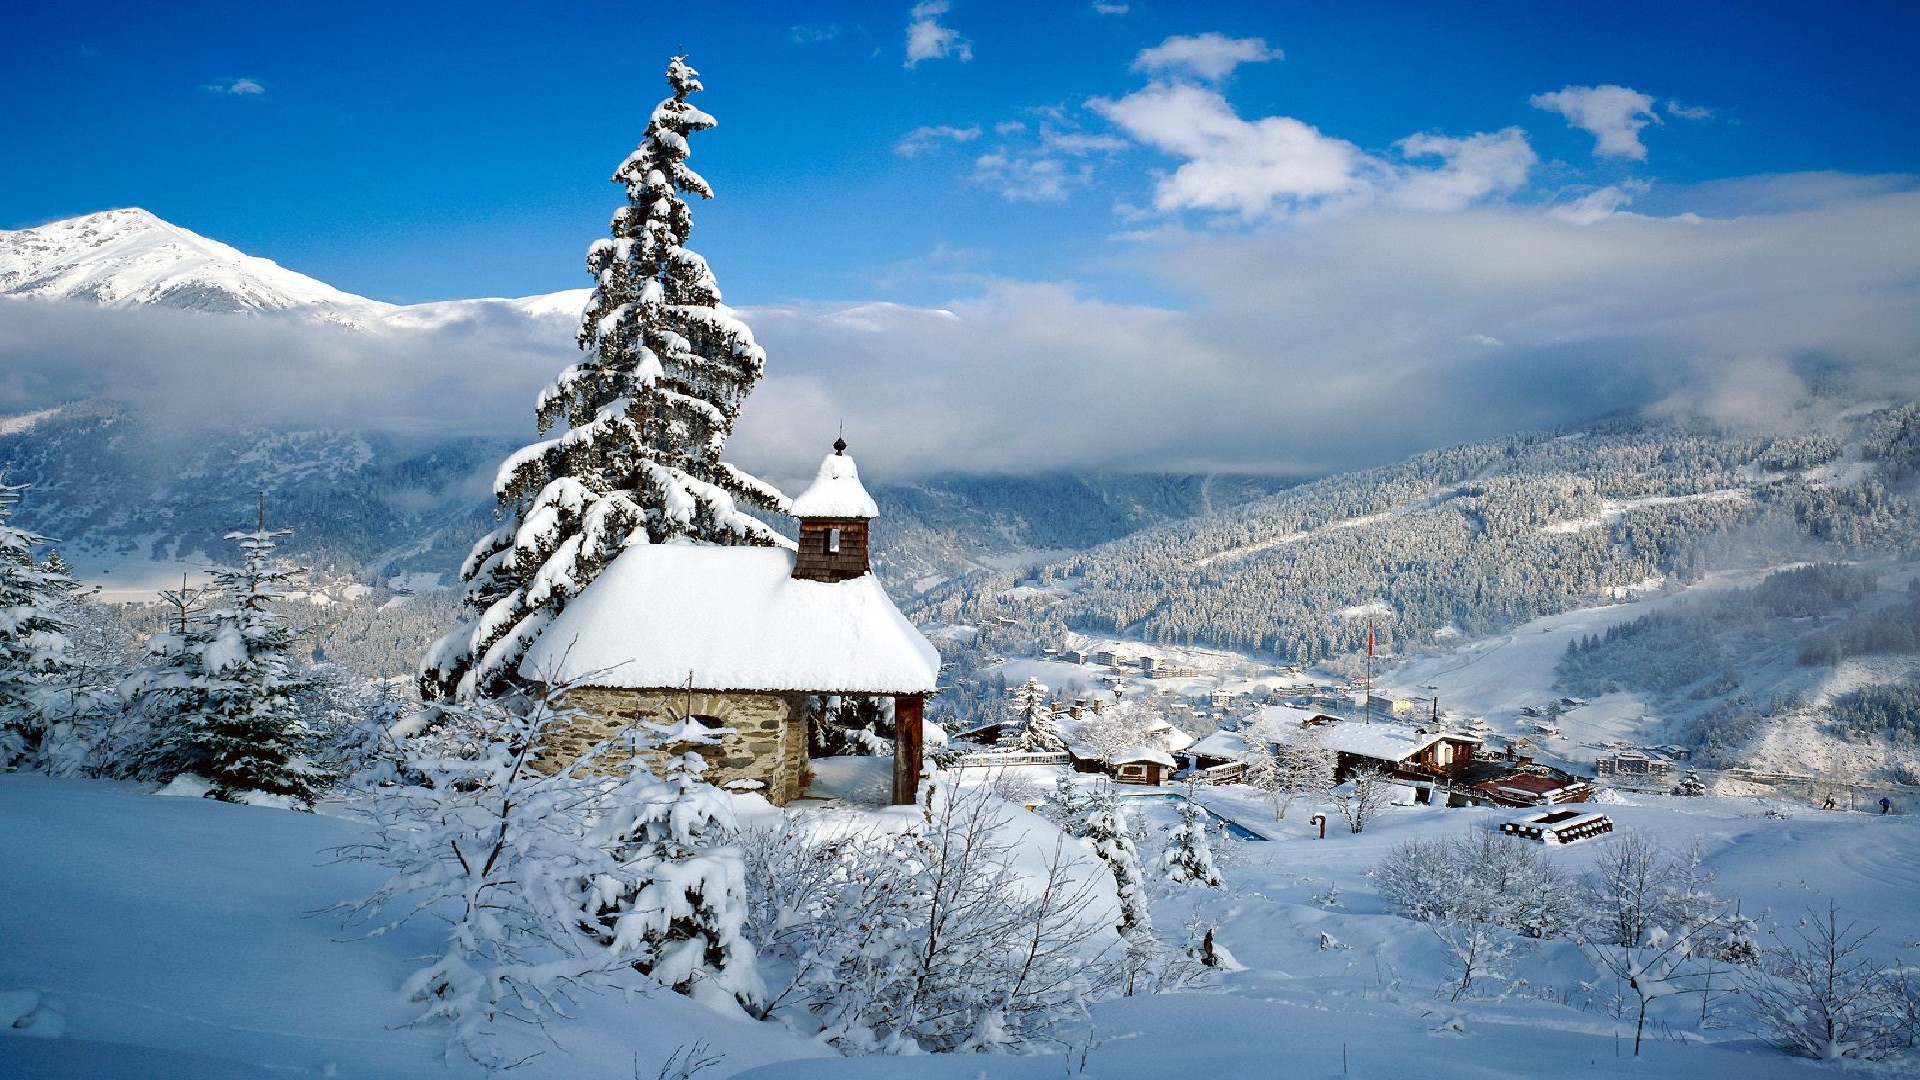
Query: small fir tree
{"points": [[233, 689], [645, 418], [1096, 816], [1189, 855], [675, 906], [34, 664]]}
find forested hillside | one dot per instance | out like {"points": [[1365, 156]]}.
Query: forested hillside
{"points": [[106, 480], [1470, 539]]}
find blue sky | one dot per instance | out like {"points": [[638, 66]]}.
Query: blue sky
{"points": [[429, 151], [1273, 236]]}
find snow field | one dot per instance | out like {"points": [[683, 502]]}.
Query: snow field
{"points": [[178, 938]]}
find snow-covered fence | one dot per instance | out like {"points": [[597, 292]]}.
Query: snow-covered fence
{"points": [[995, 761]]}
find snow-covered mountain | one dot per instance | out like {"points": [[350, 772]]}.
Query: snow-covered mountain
{"points": [[129, 257]]}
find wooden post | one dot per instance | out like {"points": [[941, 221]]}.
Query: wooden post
{"points": [[909, 711]]}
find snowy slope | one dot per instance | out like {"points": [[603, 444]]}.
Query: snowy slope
{"points": [[175, 938], [129, 257]]}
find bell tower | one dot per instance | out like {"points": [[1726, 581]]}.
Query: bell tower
{"points": [[834, 515]]}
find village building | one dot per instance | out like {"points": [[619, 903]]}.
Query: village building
{"points": [[1152, 758], [1634, 765], [743, 638], [1218, 758], [1287, 717], [1141, 765], [1533, 785], [1405, 753]]}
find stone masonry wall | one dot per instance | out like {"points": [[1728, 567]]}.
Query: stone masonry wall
{"points": [[768, 742]]}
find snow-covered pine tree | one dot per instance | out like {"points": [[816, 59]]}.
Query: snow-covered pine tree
{"points": [[233, 689], [1100, 820], [1039, 731], [1690, 784], [1189, 857], [647, 415], [33, 638]]}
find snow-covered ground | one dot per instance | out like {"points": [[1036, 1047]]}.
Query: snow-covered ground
{"points": [[171, 938]]}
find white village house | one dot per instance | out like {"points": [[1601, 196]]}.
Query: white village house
{"points": [[741, 638]]}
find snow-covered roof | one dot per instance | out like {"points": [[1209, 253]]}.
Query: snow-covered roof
{"points": [[836, 492], [1220, 744], [731, 618], [1283, 714], [1143, 753], [1382, 742], [1166, 735]]}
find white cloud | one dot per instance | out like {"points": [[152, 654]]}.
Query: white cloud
{"points": [[1325, 341], [1613, 115], [237, 86], [1233, 165], [922, 139], [1688, 112], [1110, 9], [928, 40], [1030, 177], [1600, 204], [1211, 56], [1344, 340], [1473, 168]]}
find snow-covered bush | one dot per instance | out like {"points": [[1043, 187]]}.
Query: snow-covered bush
{"points": [[1288, 762], [924, 939], [674, 906], [1817, 993], [1653, 923], [1367, 791], [548, 877], [1479, 876]]}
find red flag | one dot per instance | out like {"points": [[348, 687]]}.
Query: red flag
{"points": [[1369, 637]]}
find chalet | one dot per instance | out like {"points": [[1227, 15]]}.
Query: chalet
{"points": [[742, 638], [1141, 765], [1160, 738], [1219, 757], [1406, 753]]}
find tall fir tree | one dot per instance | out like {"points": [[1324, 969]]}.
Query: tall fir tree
{"points": [[646, 417], [233, 689], [34, 645]]}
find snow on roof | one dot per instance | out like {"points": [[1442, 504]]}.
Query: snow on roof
{"points": [[1143, 753], [836, 492], [1283, 714], [731, 618], [1382, 742], [1168, 736], [1220, 744]]}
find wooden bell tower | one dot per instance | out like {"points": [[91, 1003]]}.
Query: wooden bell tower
{"points": [[835, 515]]}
